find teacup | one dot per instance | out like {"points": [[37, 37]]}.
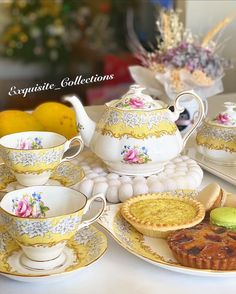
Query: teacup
{"points": [[32, 156], [41, 219]]}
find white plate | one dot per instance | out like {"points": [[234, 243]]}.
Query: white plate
{"points": [[152, 250]]}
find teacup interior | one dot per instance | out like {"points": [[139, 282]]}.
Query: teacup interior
{"points": [[32, 140], [43, 201]]}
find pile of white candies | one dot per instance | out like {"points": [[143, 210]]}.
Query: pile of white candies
{"points": [[181, 173]]}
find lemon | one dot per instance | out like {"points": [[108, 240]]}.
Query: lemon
{"points": [[57, 117], [13, 121]]}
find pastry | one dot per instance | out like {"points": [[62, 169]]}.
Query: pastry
{"points": [[156, 215], [230, 200], [212, 196], [224, 216], [204, 246]]}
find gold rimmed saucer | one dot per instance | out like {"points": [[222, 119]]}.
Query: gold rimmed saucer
{"points": [[152, 250], [66, 174], [86, 247]]}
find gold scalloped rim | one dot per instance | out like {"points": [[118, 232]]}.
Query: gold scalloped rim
{"points": [[160, 230]]}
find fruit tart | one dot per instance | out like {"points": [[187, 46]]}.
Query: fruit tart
{"points": [[204, 246], [156, 215]]}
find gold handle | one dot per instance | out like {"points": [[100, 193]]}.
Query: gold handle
{"points": [[200, 114]]}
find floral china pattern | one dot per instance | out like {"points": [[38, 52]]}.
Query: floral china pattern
{"points": [[19, 160], [225, 119], [68, 174], [140, 125], [29, 143], [216, 137], [135, 103], [46, 226], [135, 154], [29, 206], [89, 248]]}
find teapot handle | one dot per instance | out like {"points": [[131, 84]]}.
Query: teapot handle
{"points": [[201, 112]]}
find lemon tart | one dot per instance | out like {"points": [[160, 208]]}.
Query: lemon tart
{"points": [[156, 215]]}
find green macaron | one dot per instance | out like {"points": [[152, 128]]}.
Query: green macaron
{"points": [[224, 217]]}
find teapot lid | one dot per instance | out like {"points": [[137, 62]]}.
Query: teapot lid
{"points": [[228, 117], [135, 99]]}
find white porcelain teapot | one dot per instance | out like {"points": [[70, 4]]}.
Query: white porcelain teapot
{"points": [[136, 135]]}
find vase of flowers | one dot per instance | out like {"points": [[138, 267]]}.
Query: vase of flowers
{"points": [[181, 62]]}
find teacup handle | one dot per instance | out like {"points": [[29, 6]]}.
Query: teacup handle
{"points": [[88, 222], [68, 145]]}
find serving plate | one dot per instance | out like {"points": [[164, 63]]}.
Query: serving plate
{"points": [[152, 250], [227, 173]]}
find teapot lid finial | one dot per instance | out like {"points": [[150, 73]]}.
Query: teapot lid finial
{"points": [[135, 98]]}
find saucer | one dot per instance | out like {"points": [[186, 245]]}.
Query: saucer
{"points": [[66, 174], [153, 250], [86, 247]]}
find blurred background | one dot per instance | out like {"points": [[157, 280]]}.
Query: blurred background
{"points": [[49, 40]]}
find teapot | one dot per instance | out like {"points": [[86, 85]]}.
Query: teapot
{"points": [[136, 134], [216, 138]]}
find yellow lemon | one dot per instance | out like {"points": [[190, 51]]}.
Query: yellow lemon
{"points": [[57, 117], [13, 121]]}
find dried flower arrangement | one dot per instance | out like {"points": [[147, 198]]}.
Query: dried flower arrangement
{"points": [[182, 61]]}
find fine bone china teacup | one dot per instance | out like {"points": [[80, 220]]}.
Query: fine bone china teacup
{"points": [[41, 219], [32, 156]]}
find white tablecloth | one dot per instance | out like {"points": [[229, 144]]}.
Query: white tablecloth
{"points": [[120, 272]]}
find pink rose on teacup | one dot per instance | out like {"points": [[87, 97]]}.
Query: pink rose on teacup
{"points": [[223, 118], [131, 156], [23, 209], [136, 103], [24, 145]]}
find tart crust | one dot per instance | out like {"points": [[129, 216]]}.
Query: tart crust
{"points": [[204, 246], [155, 223]]}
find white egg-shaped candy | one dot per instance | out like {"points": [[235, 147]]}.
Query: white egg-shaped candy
{"points": [[180, 174], [103, 174], [169, 166], [182, 169], [151, 179], [86, 187], [140, 188], [196, 169], [85, 168], [125, 179], [92, 175], [194, 176], [112, 176], [168, 171], [100, 188], [114, 182], [125, 191], [98, 169], [182, 164], [170, 185], [176, 160], [162, 177], [181, 182], [100, 179], [112, 194], [184, 157], [139, 179], [192, 183], [191, 161], [155, 187]]}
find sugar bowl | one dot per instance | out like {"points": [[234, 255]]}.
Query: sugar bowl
{"points": [[216, 138]]}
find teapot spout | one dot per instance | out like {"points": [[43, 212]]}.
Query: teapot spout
{"points": [[85, 125]]}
